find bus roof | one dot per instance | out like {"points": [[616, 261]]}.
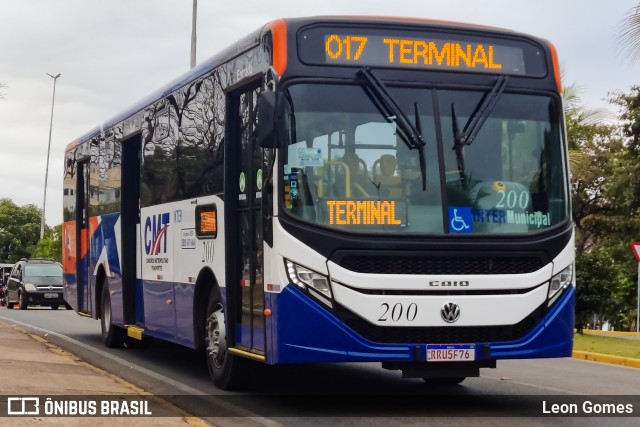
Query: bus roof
{"points": [[253, 39], [404, 20], [193, 74]]}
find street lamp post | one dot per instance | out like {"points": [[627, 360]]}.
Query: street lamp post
{"points": [[46, 172], [194, 20]]}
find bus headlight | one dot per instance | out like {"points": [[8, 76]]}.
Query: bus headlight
{"points": [[308, 279], [559, 283]]}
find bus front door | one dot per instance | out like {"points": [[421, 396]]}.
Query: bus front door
{"points": [[247, 238]]}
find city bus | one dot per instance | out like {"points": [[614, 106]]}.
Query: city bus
{"points": [[335, 189]]}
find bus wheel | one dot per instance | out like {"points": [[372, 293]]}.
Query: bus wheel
{"points": [[223, 366], [112, 336]]}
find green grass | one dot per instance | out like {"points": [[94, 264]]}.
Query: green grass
{"points": [[607, 345]]}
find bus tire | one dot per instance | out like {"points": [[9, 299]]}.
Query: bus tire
{"points": [[224, 367], [112, 335]]}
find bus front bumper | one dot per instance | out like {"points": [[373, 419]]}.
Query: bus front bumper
{"points": [[301, 330]]}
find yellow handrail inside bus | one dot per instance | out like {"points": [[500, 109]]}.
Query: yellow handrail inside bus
{"points": [[347, 176]]}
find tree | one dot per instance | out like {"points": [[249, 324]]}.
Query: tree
{"points": [[19, 230], [606, 211], [630, 34], [594, 271], [591, 143], [623, 190], [592, 206], [51, 245]]}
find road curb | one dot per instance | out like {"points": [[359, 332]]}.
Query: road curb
{"points": [[607, 358], [610, 333]]}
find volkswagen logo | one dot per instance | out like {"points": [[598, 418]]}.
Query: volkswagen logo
{"points": [[450, 312]]}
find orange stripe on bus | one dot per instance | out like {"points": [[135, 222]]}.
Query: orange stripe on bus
{"points": [[86, 235], [69, 247], [279, 31], [556, 65]]}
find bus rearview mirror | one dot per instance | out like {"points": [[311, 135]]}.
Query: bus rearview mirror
{"points": [[268, 121]]}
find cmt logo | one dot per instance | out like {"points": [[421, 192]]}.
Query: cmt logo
{"points": [[155, 233]]}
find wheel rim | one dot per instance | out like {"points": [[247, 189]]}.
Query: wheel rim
{"points": [[216, 337]]}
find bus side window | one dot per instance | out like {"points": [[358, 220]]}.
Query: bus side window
{"points": [[159, 177]]}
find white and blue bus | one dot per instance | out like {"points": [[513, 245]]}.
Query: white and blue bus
{"points": [[335, 189]]}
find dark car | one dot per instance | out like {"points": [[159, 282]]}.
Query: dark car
{"points": [[35, 282]]}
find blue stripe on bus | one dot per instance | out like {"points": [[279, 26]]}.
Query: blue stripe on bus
{"points": [[553, 337], [171, 321], [302, 331]]}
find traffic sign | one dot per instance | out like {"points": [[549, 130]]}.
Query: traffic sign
{"points": [[636, 249]]}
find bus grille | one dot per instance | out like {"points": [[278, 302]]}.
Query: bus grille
{"points": [[428, 264], [445, 334]]}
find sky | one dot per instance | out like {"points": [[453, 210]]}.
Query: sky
{"points": [[112, 53]]}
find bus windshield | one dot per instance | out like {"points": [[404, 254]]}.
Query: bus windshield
{"points": [[348, 164]]}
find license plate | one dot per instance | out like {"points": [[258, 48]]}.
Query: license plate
{"points": [[51, 295], [451, 353]]}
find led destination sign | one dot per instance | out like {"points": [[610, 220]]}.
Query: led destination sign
{"points": [[435, 53], [367, 212], [377, 48]]}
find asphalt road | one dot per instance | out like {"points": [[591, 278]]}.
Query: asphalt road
{"points": [[517, 392]]}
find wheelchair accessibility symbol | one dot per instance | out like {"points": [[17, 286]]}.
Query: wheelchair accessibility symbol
{"points": [[460, 220]]}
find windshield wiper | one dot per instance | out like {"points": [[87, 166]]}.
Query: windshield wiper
{"points": [[474, 123], [410, 134]]}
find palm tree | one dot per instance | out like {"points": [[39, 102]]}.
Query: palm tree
{"points": [[630, 34], [577, 114]]}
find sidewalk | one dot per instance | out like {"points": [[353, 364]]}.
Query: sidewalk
{"points": [[31, 366]]}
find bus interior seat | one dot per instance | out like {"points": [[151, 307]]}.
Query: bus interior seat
{"points": [[384, 175], [358, 172], [357, 166]]}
